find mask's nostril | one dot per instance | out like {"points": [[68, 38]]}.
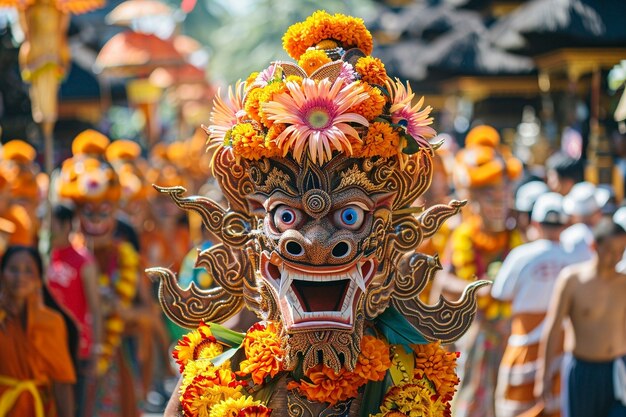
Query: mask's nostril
{"points": [[341, 249], [294, 248]]}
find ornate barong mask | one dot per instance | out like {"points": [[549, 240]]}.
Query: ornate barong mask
{"points": [[320, 162]]}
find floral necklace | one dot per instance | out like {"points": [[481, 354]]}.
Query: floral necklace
{"points": [[417, 380], [121, 277], [468, 244]]}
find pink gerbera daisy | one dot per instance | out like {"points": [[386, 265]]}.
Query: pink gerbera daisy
{"points": [[316, 114], [415, 121], [226, 114]]}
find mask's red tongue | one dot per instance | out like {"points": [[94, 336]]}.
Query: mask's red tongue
{"points": [[320, 296]]}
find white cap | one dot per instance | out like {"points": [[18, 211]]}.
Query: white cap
{"points": [[585, 199], [549, 209], [527, 195]]}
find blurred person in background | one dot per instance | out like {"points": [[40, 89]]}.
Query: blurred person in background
{"points": [[591, 295], [584, 204], [93, 186], [17, 162], [563, 171], [73, 281], [36, 364], [526, 279], [525, 198], [484, 174], [15, 213]]}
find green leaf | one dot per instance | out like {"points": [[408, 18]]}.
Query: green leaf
{"points": [[224, 356], [373, 396], [226, 336], [398, 330], [411, 145]]}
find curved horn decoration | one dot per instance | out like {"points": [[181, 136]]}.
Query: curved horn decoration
{"points": [[414, 273], [225, 268], [212, 213], [431, 220], [445, 321], [188, 308]]}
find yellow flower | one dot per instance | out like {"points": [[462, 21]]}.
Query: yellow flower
{"points": [[248, 142], [264, 353], [208, 389], [438, 366], [373, 106], [373, 361], [252, 103], [414, 399], [198, 344], [372, 70], [321, 26], [266, 95], [312, 59], [251, 78], [231, 407], [381, 140]]}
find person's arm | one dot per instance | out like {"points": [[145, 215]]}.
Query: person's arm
{"points": [[89, 275], [64, 399], [173, 406], [557, 312]]}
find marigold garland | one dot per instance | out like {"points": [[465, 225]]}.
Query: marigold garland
{"points": [[125, 289], [414, 399], [264, 353], [198, 344], [326, 385], [232, 407], [248, 142], [466, 240]]}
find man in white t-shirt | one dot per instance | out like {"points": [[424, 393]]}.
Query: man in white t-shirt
{"points": [[526, 279]]}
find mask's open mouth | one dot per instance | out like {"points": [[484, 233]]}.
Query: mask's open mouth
{"points": [[314, 297]]}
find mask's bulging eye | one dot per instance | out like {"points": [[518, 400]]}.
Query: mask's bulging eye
{"points": [[286, 217], [350, 217]]}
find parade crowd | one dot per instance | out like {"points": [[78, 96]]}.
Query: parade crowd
{"points": [[82, 334]]}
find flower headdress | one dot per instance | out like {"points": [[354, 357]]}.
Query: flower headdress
{"points": [[337, 98]]}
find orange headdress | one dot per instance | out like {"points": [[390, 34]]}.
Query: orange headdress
{"points": [[483, 161], [164, 161], [86, 177], [125, 157], [18, 167]]}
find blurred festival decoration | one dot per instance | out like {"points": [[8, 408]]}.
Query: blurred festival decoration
{"points": [[131, 10], [45, 55]]}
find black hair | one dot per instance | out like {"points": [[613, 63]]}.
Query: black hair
{"points": [[606, 230], [62, 213], [566, 166], [49, 301]]}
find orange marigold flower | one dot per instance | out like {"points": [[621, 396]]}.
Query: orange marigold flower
{"points": [[433, 362], [349, 31], [326, 385], [264, 353], [312, 59], [372, 70], [273, 150], [198, 344], [252, 103], [381, 140], [373, 361], [373, 106], [248, 142]]}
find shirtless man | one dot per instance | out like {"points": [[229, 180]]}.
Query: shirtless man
{"points": [[591, 295]]}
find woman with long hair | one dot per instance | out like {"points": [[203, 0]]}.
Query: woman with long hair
{"points": [[36, 367]]}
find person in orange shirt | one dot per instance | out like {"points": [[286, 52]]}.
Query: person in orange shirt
{"points": [[19, 167], [36, 366], [16, 214]]}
